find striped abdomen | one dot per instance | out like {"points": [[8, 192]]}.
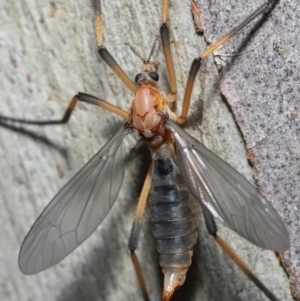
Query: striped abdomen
{"points": [[173, 214]]}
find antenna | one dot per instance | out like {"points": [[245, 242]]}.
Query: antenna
{"points": [[152, 49], [135, 52], [139, 55]]}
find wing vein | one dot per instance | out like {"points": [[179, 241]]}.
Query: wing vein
{"points": [[227, 194], [77, 210]]}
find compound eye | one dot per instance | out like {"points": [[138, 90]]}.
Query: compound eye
{"points": [[137, 77], [154, 76]]}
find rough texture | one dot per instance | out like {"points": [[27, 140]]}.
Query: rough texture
{"points": [[48, 53], [261, 84]]}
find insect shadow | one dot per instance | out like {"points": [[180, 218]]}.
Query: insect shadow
{"points": [[75, 212]]}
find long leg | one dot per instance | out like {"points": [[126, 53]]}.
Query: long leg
{"points": [[209, 50], [165, 38], [244, 267], [103, 51], [135, 231], [188, 90], [86, 97], [212, 229], [66, 117], [266, 7]]}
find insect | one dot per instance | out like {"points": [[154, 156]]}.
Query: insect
{"points": [[181, 146]]}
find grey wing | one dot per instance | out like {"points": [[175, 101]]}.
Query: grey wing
{"points": [[227, 194], [76, 211]]}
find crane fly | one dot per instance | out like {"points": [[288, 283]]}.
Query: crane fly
{"points": [[182, 171]]}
